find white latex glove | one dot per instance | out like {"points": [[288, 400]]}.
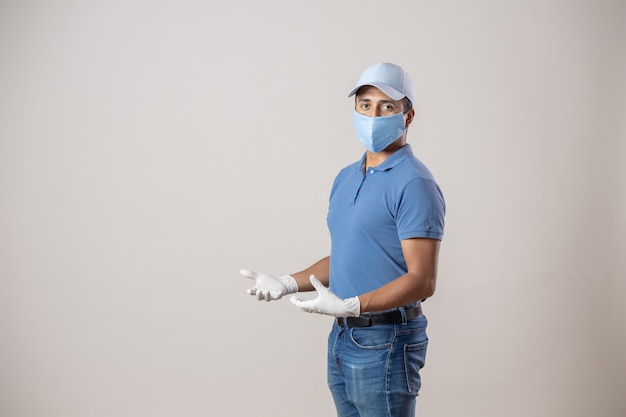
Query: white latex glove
{"points": [[268, 287], [327, 302]]}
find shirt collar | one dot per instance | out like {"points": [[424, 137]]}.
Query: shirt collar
{"points": [[392, 160]]}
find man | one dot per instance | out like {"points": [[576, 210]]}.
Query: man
{"points": [[386, 220]]}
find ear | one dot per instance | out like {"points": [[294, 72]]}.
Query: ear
{"points": [[409, 118]]}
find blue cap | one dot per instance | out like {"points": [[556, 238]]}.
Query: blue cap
{"points": [[388, 78]]}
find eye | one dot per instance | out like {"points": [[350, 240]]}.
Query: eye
{"points": [[388, 107]]}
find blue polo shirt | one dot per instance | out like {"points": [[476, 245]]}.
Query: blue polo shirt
{"points": [[371, 212]]}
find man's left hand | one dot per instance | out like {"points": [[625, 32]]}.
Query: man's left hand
{"points": [[327, 302]]}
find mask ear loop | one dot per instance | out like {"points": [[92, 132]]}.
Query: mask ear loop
{"points": [[406, 126]]}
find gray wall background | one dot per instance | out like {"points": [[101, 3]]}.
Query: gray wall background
{"points": [[151, 149]]}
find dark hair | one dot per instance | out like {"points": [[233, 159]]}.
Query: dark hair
{"points": [[406, 105]]}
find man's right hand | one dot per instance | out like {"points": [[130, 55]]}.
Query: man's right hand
{"points": [[268, 287]]}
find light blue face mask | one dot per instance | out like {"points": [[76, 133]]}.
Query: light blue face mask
{"points": [[376, 133]]}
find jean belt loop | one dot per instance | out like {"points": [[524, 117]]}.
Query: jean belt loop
{"points": [[403, 313]]}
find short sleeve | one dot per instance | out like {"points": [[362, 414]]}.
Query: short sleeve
{"points": [[421, 210]]}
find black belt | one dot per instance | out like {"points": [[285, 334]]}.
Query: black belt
{"points": [[372, 319]]}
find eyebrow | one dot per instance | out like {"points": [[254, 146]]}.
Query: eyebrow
{"points": [[380, 101]]}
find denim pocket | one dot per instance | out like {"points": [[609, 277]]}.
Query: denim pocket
{"points": [[414, 358], [375, 337]]}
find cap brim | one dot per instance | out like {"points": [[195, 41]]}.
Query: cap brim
{"points": [[390, 91]]}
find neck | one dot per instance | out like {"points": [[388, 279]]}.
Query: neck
{"points": [[373, 159]]}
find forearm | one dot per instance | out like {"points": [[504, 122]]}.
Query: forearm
{"points": [[320, 269], [406, 289]]}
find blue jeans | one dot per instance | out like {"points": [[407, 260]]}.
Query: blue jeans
{"points": [[374, 371]]}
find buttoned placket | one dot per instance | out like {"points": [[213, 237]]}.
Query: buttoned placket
{"points": [[368, 172]]}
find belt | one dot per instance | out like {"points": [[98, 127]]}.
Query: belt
{"points": [[372, 319]]}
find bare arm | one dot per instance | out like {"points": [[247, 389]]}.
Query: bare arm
{"points": [[320, 269], [419, 282]]}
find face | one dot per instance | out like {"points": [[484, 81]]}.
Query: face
{"points": [[372, 102]]}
